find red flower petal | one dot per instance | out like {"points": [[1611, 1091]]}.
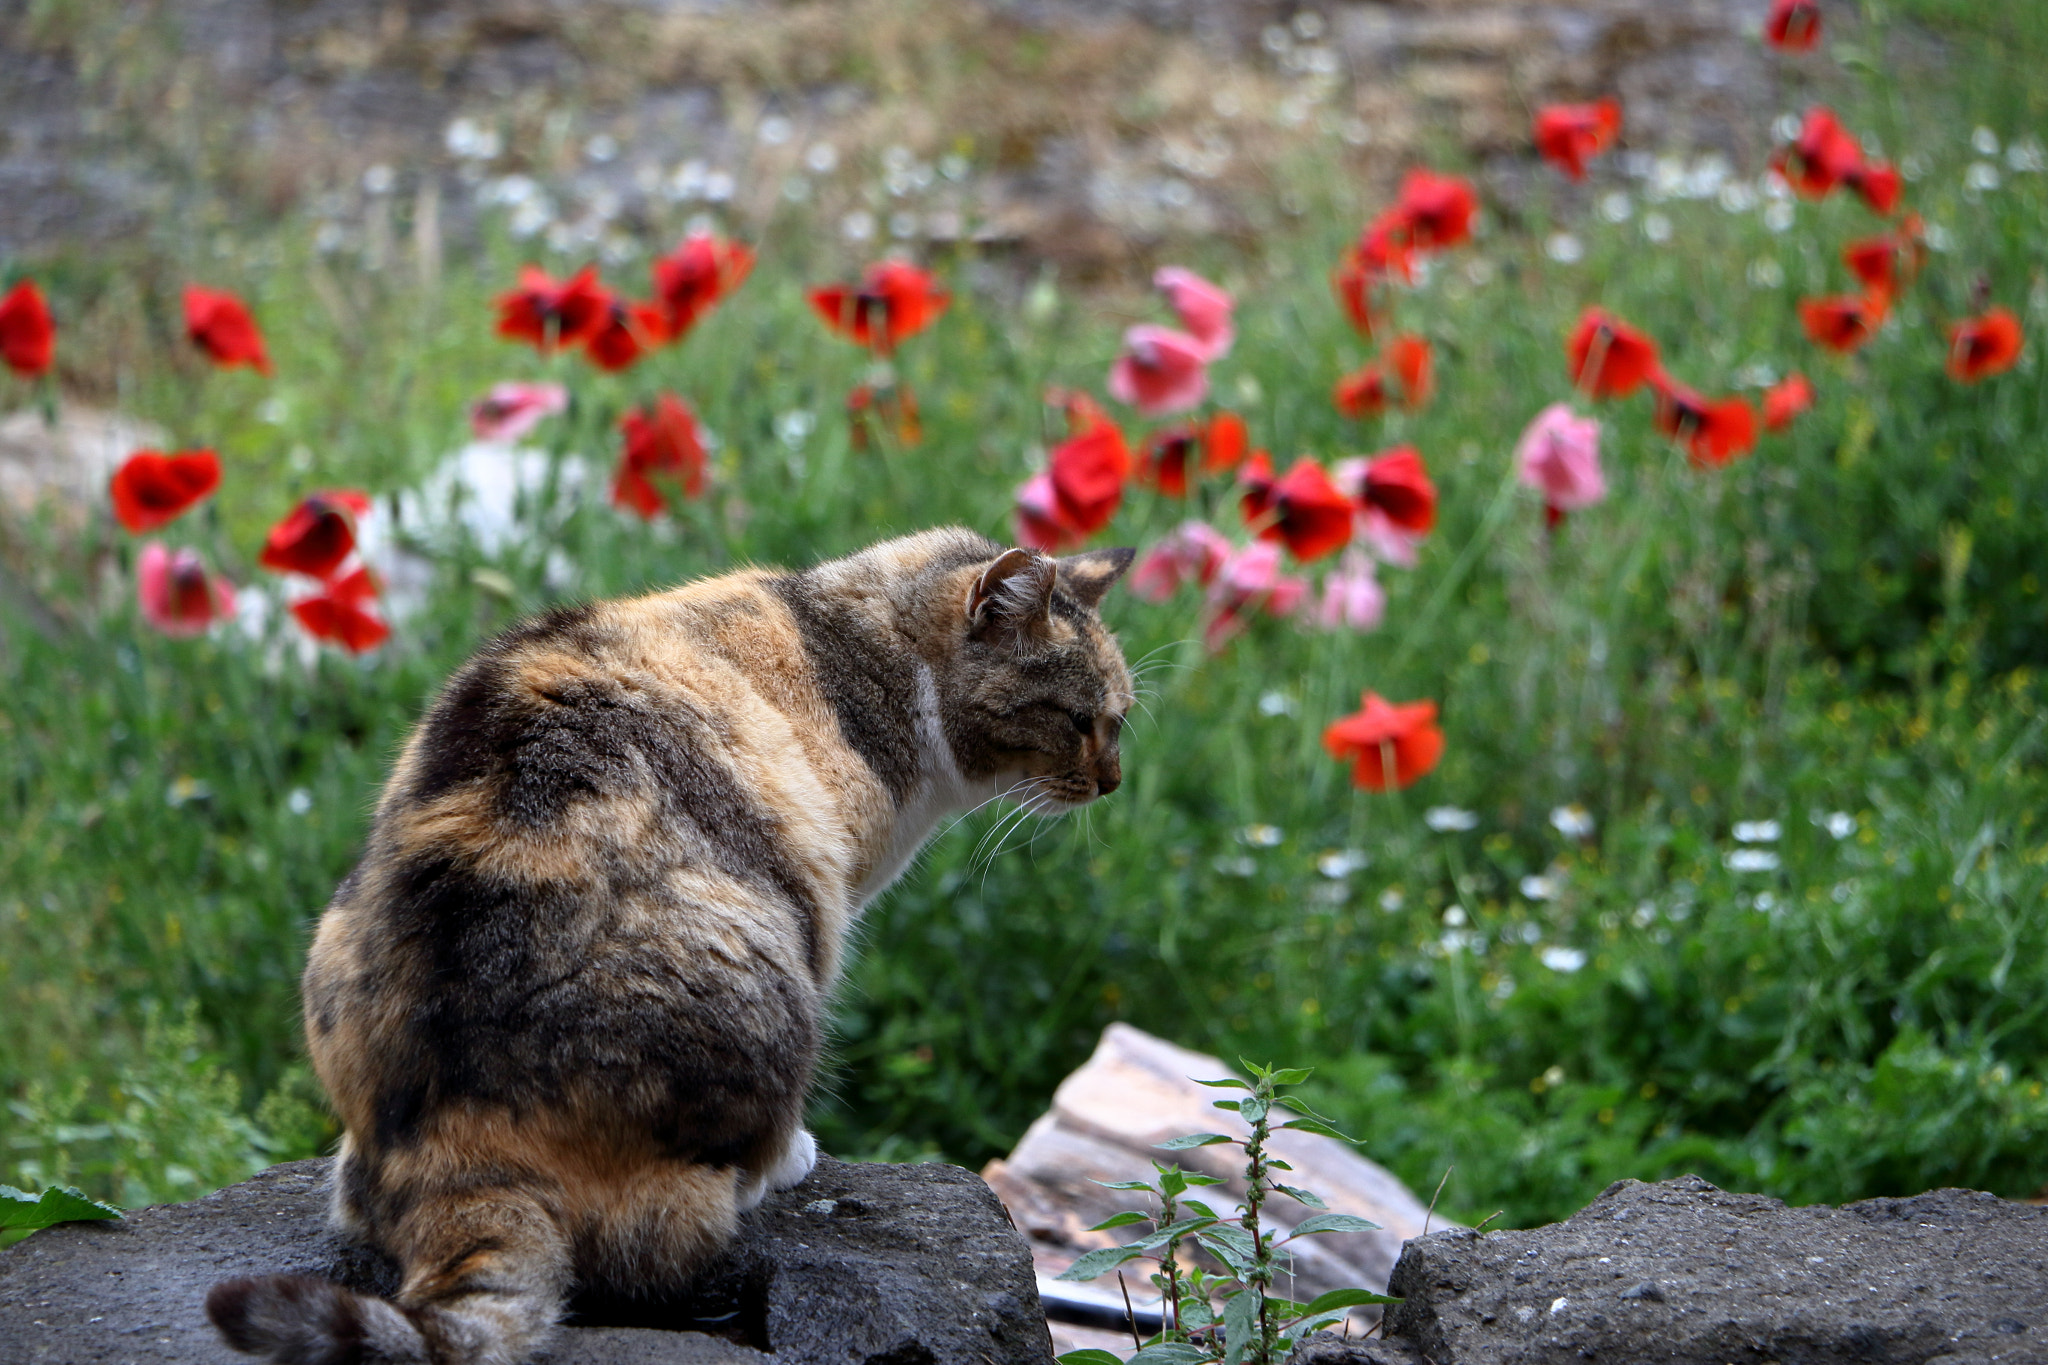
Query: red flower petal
{"points": [[1365, 738], [1983, 346], [28, 337], [1398, 484], [1609, 358], [1785, 400], [151, 488], [1438, 209], [893, 301], [664, 443], [316, 535], [1793, 25], [220, 325], [550, 313], [1310, 516], [1570, 135], [1843, 322], [691, 280], [629, 331], [1088, 472]]}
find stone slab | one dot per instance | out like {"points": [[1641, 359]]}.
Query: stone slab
{"points": [[1682, 1273], [860, 1265]]}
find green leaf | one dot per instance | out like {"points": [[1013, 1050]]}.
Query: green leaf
{"points": [[1293, 1075], [1253, 1109], [1123, 1185], [1100, 1262], [1181, 1144], [1308, 1197], [1345, 1298], [1316, 1126], [1333, 1222], [1120, 1220], [1300, 1106], [1231, 1246], [1199, 1207], [1183, 1228], [1240, 1324], [1231, 1105], [58, 1204], [1091, 1355], [1274, 1163], [1195, 1312], [1197, 1178], [1168, 1353], [1173, 1182], [1231, 1081]]}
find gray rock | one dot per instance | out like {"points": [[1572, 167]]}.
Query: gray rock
{"points": [[1681, 1272], [860, 1265]]}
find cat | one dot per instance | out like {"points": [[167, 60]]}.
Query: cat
{"points": [[568, 1006]]}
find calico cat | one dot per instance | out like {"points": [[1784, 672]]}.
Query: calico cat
{"points": [[569, 1004]]}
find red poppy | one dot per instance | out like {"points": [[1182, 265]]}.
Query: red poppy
{"points": [[1397, 483], [1878, 183], [894, 300], [1414, 364], [1843, 322], [1713, 432], [1889, 262], [1308, 513], [220, 325], [1980, 347], [1405, 733], [1609, 358], [1794, 25], [1088, 472], [341, 613], [1362, 393], [691, 280], [1255, 477], [28, 338], [630, 330], [1167, 454], [664, 442], [1386, 248], [1225, 442], [550, 313], [1353, 285], [317, 535], [1570, 135], [176, 593], [1821, 157], [1438, 209], [1785, 400], [152, 488], [893, 405]]}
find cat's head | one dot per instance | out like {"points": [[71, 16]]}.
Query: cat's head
{"points": [[1034, 692]]}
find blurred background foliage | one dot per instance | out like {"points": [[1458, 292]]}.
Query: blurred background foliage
{"points": [[1840, 635]]}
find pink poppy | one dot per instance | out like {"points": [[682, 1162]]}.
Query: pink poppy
{"points": [[1204, 308], [176, 593], [1559, 457], [512, 409], [1352, 595], [1250, 581], [1192, 554], [1160, 371]]}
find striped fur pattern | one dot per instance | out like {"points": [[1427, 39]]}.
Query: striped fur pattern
{"points": [[568, 1007]]}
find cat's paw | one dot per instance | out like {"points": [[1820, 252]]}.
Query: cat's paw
{"points": [[799, 1156]]}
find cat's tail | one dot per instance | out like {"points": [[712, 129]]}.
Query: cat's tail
{"points": [[487, 1276]]}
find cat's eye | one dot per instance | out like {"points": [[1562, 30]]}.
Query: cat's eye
{"points": [[1083, 722]]}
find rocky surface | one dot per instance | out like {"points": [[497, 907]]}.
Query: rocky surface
{"points": [[860, 1265], [1090, 127], [1685, 1274]]}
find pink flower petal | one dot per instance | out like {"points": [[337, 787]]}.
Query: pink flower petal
{"points": [[1204, 308], [1161, 371]]}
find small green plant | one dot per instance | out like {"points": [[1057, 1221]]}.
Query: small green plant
{"points": [[1229, 1315]]}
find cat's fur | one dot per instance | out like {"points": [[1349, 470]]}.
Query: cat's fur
{"points": [[569, 1005]]}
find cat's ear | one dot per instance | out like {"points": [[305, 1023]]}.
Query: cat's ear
{"points": [[1086, 577], [1012, 598]]}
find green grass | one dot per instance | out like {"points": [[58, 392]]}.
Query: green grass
{"points": [[1848, 622]]}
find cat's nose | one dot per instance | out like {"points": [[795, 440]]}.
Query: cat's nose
{"points": [[1109, 774], [1106, 784]]}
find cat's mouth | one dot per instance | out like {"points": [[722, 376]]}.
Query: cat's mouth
{"points": [[1059, 793]]}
